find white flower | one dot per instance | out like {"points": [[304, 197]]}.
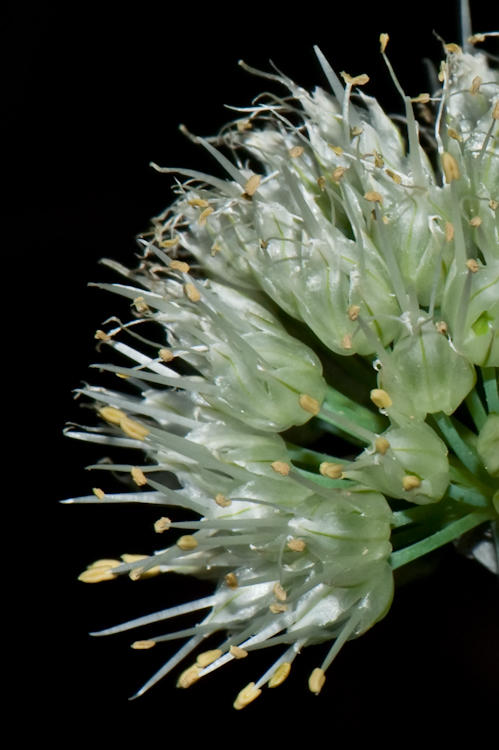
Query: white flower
{"points": [[276, 291]]}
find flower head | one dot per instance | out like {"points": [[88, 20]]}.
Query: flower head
{"points": [[322, 314]]}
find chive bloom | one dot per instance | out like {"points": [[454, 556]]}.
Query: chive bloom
{"points": [[321, 393]]}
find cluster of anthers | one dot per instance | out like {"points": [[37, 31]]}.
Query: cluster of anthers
{"points": [[340, 288]]}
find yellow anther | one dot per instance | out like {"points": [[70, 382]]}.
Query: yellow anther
{"points": [[187, 542], [231, 581], [421, 98], [166, 355], [450, 167], [472, 265], [142, 645], [100, 570], [215, 248], [276, 608], [378, 159], [279, 592], [162, 524], [373, 196], [337, 149], [355, 131], [198, 203], [495, 111], [128, 558], [243, 125], [136, 574], [280, 674], [204, 215], [475, 85], [138, 476], [222, 501], [101, 336], [296, 151], [208, 657], [338, 173], [410, 482], [247, 695], [383, 41], [192, 292], [310, 404], [112, 415], [475, 38], [99, 494], [237, 652], [443, 71], [281, 467], [353, 312], [179, 265], [453, 49], [475, 221], [321, 183], [449, 231], [133, 429], [394, 176], [331, 470], [360, 80], [385, 219], [441, 326], [380, 398], [141, 305], [346, 341], [188, 677], [252, 184], [169, 243], [454, 134], [381, 445], [316, 680], [296, 545], [493, 204]]}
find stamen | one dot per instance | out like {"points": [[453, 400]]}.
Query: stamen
{"points": [[143, 645], [138, 476], [380, 398], [192, 292], [208, 657], [381, 445], [188, 677], [410, 482], [310, 404], [281, 467], [237, 652], [280, 675], [316, 681], [246, 696], [99, 494], [331, 470], [187, 542], [98, 571], [162, 524]]}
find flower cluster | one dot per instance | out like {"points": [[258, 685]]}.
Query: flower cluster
{"points": [[324, 311]]}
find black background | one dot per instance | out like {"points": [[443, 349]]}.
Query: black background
{"points": [[93, 94]]}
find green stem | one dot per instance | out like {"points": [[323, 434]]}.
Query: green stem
{"points": [[438, 539], [463, 451], [489, 376], [476, 409]]}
